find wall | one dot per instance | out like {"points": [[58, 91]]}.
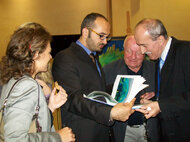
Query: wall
{"points": [[173, 13], [64, 16], [58, 16], [119, 21]]}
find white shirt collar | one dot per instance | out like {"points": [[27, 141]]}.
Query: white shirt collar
{"points": [[166, 49]]}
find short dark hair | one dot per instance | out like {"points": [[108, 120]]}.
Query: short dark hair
{"points": [[154, 27], [28, 39], [88, 21]]}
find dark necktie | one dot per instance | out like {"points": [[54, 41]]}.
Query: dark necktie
{"points": [[95, 61], [93, 58], [160, 64]]}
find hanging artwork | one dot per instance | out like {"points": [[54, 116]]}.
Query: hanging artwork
{"points": [[112, 51]]}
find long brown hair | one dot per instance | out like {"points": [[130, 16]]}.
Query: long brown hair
{"points": [[25, 41]]}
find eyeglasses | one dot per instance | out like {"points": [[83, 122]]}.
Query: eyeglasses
{"points": [[102, 36]]}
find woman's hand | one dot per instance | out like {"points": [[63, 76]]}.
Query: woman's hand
{"points": [[66, 135], [57, 99], [46, 88]]}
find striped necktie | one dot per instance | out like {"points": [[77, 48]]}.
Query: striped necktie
{"points": [[93, 58]]}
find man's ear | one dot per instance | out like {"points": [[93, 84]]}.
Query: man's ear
{"points": [[36, 55], [85, 32], [161, 40]]}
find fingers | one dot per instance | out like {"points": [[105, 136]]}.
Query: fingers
{"points": [[57, 100], [132, 111], [150, 110], [142, 96], [122, 111], [145, 101], [148, 95], [67, 135], [61, 89], [71, 135], [142, 101], [149, 114], [131, 102], [144, 111], [63, 93], [53, 91]]}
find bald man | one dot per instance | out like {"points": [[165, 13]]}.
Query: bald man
{"points": [[133, 64]]}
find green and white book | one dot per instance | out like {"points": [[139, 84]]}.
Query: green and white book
{"points": [[125, 88]]}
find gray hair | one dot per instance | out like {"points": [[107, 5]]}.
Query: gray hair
{"points": [[154, 27]]}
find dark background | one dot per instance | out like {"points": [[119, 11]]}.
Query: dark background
{"points": [[60, 42]]}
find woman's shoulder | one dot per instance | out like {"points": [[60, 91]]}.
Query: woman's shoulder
{"points": [[22, 83], [23, 87]]}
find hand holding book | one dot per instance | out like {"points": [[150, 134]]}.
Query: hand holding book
{"points": [[125, 88], [122, 111]]}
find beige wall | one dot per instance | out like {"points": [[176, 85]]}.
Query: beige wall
{"points": [[64, 16], [175, 14], [58, 16], [119, 21]]}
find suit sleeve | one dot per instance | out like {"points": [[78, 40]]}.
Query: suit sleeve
{"points": [[19, 113], [68, 76]]}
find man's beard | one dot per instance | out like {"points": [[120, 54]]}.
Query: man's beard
{"points": [[94, 47]]}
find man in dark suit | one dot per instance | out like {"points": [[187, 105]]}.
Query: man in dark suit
{"points": [[173, 105], [74, 69], [133, 63]]}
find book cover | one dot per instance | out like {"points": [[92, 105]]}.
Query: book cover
{"points": [[125, 88]]}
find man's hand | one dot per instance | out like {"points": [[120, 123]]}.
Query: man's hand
{"points": [[122, 111], [148, 95], [150, 110], [145, 98]]}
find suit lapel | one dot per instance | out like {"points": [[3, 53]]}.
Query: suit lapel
{"points": [[156, 76], [146, 74], [168, 66], [79, 51]]}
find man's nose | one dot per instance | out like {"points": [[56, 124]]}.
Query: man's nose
{"points": [[143, 49], [133, 55], [105, 41]]}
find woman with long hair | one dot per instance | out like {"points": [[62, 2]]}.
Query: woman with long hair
{"points": [[27, 54]]}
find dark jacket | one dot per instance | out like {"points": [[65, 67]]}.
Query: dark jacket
{"points": [[77, 74], [174, 98], [148, 72]]}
